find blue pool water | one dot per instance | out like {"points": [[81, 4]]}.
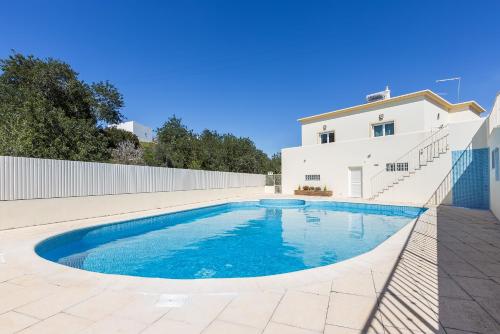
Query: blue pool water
{"points": [[241, 239]]}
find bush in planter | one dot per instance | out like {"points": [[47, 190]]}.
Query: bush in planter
{"points": [[306, 188], [317, 189]]}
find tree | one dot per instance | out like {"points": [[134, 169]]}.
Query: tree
{"points": [[211, 151], [149, 155], [47, 112], [177, 146], [275, 163], [127, 153], [116, 136]]}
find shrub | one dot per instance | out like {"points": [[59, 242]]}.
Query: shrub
{"points": [[306, 188], [317, 189], [299, 189], [324, 188], [126, 153]]}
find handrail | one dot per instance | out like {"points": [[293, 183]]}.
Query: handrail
{"points": [[441, 189], [444, 188], [413, 148], [419, 155]]}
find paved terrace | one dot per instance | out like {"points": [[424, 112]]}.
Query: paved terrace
{"points": [[440, 275]]}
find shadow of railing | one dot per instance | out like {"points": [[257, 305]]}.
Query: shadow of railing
{"points": [[403, 305], [411, 298], [467, 182]]}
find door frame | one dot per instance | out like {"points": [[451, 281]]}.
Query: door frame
{"points": [[349, 171]]}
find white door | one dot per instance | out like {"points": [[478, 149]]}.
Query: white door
{"points": [[355, 181]]}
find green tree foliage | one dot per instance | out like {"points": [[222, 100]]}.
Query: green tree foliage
{"points": [[148, 154], [116, 136], [275, 163], [179, 147], [176, 145], [47, 112]]}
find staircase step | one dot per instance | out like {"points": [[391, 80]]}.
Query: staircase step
{"points": [[427, 152]]}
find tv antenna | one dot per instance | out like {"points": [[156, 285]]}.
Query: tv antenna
{"points": [[453, 79]]}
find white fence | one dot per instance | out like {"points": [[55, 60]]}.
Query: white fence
{"points": [[30, 178]]}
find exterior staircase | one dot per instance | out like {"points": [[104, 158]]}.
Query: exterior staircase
{"points": [[410, 163]]}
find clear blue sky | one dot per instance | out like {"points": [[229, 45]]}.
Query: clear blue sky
{"points": [[253, 67]]}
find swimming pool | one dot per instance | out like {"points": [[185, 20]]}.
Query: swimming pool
{"points": [[241, 239]]}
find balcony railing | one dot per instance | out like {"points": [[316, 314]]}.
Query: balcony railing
{"points": [[417, 157]]}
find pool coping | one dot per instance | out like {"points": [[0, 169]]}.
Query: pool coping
{"points": [[381, 258]]}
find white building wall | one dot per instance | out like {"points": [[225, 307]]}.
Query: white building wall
{"points": [[434, 115], [494, 142], [144, 133], [495, 114], [415, 115], [419, 187], [332, 161], [494, 184], [354, 147], [407, 117]]}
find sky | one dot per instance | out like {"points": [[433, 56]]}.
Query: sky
{"points": [[252, 68]]}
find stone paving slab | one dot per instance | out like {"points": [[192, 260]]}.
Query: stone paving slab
{"points": [[440, 274]]}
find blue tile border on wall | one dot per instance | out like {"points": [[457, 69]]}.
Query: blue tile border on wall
{"points": [[471, 178]]}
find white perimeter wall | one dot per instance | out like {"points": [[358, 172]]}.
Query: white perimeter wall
{"points": [[42, 191], [29, 178], [22, 213]]}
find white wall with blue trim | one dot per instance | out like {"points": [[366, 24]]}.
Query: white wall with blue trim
{"points": [[494, 166]]}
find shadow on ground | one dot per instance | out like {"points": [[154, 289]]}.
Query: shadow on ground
{"points": [[447, 279]]}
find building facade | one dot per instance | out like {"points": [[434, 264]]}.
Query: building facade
{"points": [[397, 149], [494, 145], [144, 133]]}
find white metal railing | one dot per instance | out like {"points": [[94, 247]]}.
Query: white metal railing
{"points": [[462, 162], [30, 178], [414, 159]]}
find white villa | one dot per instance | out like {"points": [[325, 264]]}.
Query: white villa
{"points": [[144, 133], [395, 149]]}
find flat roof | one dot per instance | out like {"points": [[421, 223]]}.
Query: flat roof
{"points": [[428, 94]]}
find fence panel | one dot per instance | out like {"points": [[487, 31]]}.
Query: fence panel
{"points": [[30, 178]]}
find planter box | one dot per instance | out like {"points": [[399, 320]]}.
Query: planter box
{"points": [[313, 192]]}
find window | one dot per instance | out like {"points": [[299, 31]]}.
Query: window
{"points": [[493, 157], [495, 161], [327, 137], [399, 167], [402, 166], [313, 177], [383, 129]]}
